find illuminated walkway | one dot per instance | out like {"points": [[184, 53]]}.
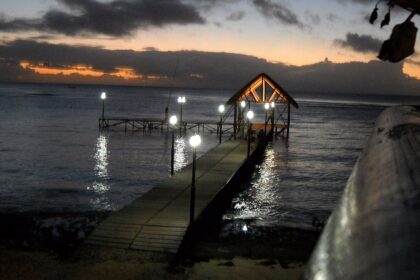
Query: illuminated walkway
{"points": [[158, 221]]}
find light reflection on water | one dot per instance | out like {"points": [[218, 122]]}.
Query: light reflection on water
{"points": [[101, 183], [301, 179], [180, 157], [257, 200], [101, 157]]}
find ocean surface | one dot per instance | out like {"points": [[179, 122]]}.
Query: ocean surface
{"points": [[55, 162]]}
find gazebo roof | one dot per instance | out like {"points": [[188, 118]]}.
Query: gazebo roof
{"points": [[250, 92]]}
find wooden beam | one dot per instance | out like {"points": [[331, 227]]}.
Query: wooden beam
{"points": [[255, 95], [263, 90], [277, 91], [271, 85]]}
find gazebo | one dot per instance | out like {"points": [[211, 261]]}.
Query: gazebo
{"points": [[262, 90]]}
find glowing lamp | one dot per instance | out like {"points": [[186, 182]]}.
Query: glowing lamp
{"points": [[243, 103], [244, 228], [221, 109], [181, 99], [267, 106], [272, 104], [195, 140], [250, 115], [173, 120], [103, 95]]}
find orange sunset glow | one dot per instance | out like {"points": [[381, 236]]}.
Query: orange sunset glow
{"points": [[125, 73], [412, 70]]}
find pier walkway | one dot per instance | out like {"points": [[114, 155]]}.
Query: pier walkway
{"points": [[159, 220]]}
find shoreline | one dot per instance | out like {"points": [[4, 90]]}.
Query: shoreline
{"points": [[215, 257], [40, 265]]}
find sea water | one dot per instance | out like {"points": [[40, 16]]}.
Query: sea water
{"points": [[55, 162]]}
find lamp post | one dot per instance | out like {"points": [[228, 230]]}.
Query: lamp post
{"points": [[266, 107], [243, 105], [173, 120], [103, 97], [249, 116], [181, 101], [221, 110], [195, 141]]}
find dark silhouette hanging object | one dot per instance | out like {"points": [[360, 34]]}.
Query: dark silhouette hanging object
{"points": [[401, 43], [386, 19], [403, 37], [374, 15]]}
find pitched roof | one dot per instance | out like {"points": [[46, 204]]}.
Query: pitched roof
{"points": [[250, 90]]}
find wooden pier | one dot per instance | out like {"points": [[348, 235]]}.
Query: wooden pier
{"points": [[159, 220], [148, 124], [261, 90]]}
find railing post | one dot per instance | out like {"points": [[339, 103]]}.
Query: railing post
{"points": [[192, 199]]}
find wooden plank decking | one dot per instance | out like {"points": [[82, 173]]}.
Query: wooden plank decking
{"points": [[158, 221]]}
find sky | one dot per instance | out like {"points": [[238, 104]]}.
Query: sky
{"points": [[203, 43]]}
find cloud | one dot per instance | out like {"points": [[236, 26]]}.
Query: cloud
{"points": [[312, 17], [360, 43], [207, 5], [150, 49], [278, 11], [195, 69], [414, 62], [116, 18], [236, 16], [364, 2], [18, 24], [332, 17]]}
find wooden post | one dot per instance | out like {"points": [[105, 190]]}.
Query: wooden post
{"points": [[180, 121], [221, 129], [249, 139], [265, 123], [263, 90], [192, 198], [235, 115], [272, 120], [288, 119], [173, 152], [103, 109]]}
